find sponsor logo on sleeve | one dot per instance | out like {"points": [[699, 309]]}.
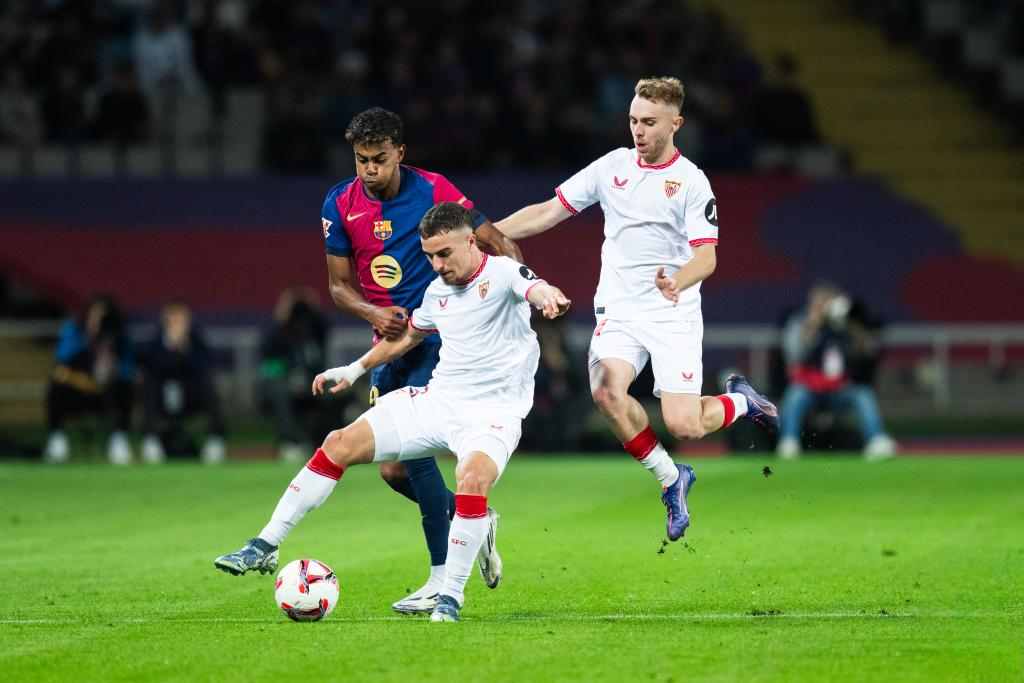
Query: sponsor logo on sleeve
{"points": [[327, 226], [527, 273], [711, 212]]}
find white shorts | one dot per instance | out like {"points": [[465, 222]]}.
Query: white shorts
{"points": [[415, 422], [674, 347]]}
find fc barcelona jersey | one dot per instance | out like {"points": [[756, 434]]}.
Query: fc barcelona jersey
{"points": [[383, 237]]}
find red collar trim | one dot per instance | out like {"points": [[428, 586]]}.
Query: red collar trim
{"points": [[472, 277], [641, 164]]}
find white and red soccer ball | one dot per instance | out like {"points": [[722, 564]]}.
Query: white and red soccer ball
{"points": [[306, 590]]}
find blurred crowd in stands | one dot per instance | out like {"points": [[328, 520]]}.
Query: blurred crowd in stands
{"points": [[525, 83], [824, 381], [978, 42], [101, 375]]}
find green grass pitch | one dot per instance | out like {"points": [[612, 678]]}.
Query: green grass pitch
{"points": [[828, 569]]}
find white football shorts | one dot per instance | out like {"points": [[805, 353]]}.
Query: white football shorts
{"points": [[675, 348], [416, 422]]}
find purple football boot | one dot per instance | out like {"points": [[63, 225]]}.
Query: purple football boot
{"points": [[760, 410], [675, 504]]}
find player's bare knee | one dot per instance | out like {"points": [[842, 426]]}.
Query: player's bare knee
{"points": [[474, 482], [608, 400], [392, 472], [684, 429], [335, 447]]}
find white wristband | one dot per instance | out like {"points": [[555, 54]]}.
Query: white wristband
{"points": [[350, 372]]}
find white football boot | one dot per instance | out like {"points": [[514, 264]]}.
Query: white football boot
{"points": [[488, 557]]}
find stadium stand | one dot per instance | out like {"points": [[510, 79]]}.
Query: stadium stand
{"points": [[900, 119]]}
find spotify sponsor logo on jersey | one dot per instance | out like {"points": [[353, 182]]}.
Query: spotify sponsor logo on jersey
{"points": [[385, 271]]}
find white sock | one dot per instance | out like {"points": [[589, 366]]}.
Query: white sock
{"points": [[307, 491], [466, 536], [661, 465], [740, 401], [436, 579]]}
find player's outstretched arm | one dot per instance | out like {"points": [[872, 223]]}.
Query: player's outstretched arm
{"points": [[496, 242], [549, 300], [697, 269], [384, 352], [533, 219], [388, 321]]}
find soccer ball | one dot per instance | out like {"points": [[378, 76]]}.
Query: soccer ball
{"points": [[306, 590]]}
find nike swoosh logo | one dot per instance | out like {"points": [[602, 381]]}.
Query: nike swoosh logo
{"points": [[352, 216]]}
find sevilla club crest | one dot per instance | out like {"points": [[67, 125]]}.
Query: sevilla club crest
{"points": [[382, 229], [671, 187], [484, 287]]}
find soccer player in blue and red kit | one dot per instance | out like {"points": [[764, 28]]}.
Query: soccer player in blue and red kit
{"points": [[370, 225]]}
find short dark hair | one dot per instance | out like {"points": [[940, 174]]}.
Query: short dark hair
{"points": [[374, 126], [445, 217]]}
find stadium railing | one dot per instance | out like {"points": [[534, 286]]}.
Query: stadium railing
{"points": [[924, 367]]}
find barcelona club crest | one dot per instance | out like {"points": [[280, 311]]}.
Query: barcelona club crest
{"points": [[382, 229], [671, 187], [484, 286]]}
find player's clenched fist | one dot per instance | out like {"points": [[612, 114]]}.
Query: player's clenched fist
{"points": [[668, 286], [343, 378], [389, 321]]}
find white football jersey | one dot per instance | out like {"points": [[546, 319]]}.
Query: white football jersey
{"points": [[489, 352], [653, 216]]}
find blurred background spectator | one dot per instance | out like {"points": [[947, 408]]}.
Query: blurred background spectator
{"points": [[561, 391], [142, 142], [293, 352], [178, 384], [93, 376], [831, 352], [521, 84]]}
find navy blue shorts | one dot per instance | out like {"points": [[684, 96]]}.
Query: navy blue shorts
{"points": [[414, 369]]}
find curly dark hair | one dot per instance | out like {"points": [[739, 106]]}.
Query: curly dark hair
{"points": [[445, 217], [375, 126]]}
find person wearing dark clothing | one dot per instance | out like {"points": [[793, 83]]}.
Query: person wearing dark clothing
{"points": [[178, 384], [123, 116], [93, 375], [293, 350]]}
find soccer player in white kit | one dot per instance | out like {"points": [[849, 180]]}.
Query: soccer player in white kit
{"points": [[473, 406], [661, 231]]}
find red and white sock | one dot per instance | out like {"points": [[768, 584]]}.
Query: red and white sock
{"points": [[735, 407], [465, 538], [652, 455], [307, 491]]}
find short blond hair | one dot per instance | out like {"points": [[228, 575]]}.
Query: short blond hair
{"points": [[664, 90]]}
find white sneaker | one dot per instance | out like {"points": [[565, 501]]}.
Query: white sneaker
{"points": [[788, 448], [880, 447], [119, 451], [213, 451], [57, 448], [488, 557], [153, 450], [421, 601]]}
